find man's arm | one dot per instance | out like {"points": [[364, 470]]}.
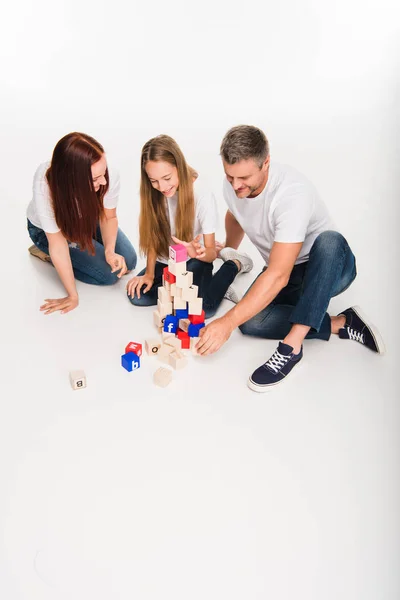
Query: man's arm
{"points": [[264, 290], [234, 232]]}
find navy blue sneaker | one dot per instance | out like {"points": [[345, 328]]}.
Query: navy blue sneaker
{"points": [[276, 369], [359, 329]]}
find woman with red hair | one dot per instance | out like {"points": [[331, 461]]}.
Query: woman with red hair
{"points": [[72, 219]]}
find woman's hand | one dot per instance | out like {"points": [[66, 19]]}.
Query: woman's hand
{"points": [[117, 263], [193, 248], [135, 284], [64, 305], [219, 246]]}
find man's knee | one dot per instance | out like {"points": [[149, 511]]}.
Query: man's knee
{"points": [[329, 243], [249, 327]]}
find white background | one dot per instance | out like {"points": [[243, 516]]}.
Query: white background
{"points": [[205, 489]]}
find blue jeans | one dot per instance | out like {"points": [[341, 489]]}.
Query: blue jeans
{"points": [[212, 288], [90, 268], [330, 270]]}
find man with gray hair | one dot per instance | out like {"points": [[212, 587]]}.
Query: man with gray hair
{"points": [[307, 261]]}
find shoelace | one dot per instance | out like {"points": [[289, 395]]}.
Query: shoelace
{"points": [[355, 335], [277, 361]]}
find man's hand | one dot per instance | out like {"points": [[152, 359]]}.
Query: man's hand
{"points": [[193, 248], [64, 305], [117, 263], [213, 336]]}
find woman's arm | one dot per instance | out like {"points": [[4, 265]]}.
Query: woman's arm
{"points": [[109, 232], [60, 257]]}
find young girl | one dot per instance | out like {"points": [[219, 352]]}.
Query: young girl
{"points": [[176, 207], [72, 219]]}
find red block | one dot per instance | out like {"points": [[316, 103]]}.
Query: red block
{"points": [[168, 276], [197, 319], [135, 348], [185, 339]]}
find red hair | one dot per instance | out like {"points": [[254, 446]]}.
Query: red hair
{"points": [[77, 206]]}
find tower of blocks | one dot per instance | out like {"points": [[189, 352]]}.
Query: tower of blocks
{"points": [[179, 315]]}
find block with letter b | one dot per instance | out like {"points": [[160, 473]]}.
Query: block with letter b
{"points": [[77, 379]]}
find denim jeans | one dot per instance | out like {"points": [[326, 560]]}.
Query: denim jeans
{"points": [[330, 270], [212, 288], [90, 268]]}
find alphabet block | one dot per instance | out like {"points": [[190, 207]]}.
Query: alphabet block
{"points": [[190, 293], [134, 347], [158, 319], [176, 268], [182, 314], [193, 343], [175, 291], [168, 276], [185, 339], [184, 325], [177, 361], [166, 285], [179, 304], [173, 341], [196, 306], [178, 253], [171, 324], [130, 361], [162, 377], [193, 330], [164, 309], [196, 319], [152, 346], [184, 280], [77, 379], [163, 295]]}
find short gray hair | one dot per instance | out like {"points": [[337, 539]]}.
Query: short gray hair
{"points": [[244, 142]]}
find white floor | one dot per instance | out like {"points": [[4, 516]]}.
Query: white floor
{"points": [[204, 489]]}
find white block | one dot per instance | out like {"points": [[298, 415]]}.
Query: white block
{"points": [[152, 346], [175, 291], [184, 324], [162, 377], [193, 342], [196, 306], [176, 268], [158, 319], [164, 296], [190, 293], [164, 308], [185, 280], [179, 304], [77, 379]]}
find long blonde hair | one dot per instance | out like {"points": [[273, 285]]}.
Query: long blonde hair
{"points": [[154, 226]]}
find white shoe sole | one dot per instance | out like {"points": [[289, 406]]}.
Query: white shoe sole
{"points": [[374, 330], [231, 254], [262, 389]]}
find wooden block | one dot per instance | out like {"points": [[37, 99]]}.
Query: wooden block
{"points": [[177, 361], [167, 276], [165, 335], [196, 306], [162, 377], [178, 253], [184, 324], [196, 319], [158, 319], [193, 342], [164, 352], [134, 347], [185, 339], [166, 285], [175, 291], [176, 268], [190, 293], [174, 342], [164, 308], [163, 295], [184, 280], [179, 304], [77, 379], [152, 346]]}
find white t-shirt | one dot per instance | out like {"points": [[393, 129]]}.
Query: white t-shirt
{"points": [[40, 210], [288, 209], [206, 214]]}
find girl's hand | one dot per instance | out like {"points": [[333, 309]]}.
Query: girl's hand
{"points": [[194, 248], [117, 263], [64, 305], [135, 284]]}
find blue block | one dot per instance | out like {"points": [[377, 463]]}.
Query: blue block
{"points": [[193, 330], [182, 313], [130, 361], [171, 324]]}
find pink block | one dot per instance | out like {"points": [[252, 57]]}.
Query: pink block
{"points": [[178, 253]]}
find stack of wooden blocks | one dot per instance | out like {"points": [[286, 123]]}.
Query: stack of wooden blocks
{"points": [[179, 316]]}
